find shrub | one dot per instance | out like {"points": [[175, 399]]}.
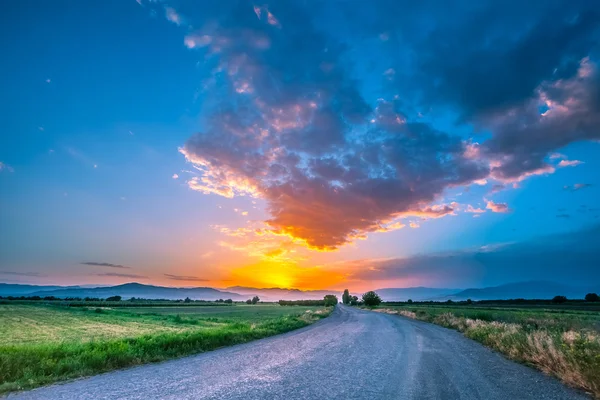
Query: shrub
{"points": [[371, 299], [559, 299], [592, 297], [330, 300], [98, 311]]}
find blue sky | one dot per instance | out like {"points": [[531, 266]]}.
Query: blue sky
{"points": [[295, 144]]}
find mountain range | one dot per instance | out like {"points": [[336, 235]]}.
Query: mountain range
{"points": [[525, 290]]}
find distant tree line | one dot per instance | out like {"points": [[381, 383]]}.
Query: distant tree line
{"points": [[328, 301], [111, 299], [253, 300]]}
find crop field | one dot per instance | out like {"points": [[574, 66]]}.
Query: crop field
{"points": [[561, 342], [41, 344]]}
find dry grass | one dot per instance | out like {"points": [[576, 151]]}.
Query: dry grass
{"points": [[571, 355]]}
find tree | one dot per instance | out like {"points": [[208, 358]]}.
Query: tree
{"points": [[330, 300], [187, 300], [559, 299], [113, 298], [354, 301], [592, 297], [228, 301], [255, 299], [409, 301], [346, 297], [469, 301], [371, 299], [249, 301]]}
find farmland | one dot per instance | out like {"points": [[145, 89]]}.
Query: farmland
{"points": [[560, 341], [42, 343]]}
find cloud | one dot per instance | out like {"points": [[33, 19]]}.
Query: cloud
{"points": [[185, 278], [172, 15], [569, 163], [577, 186], [5, 167], [21, 273], [471, 209], [104, 264], [289, 124], [175, 176], [497, 207], [570, 257], [120, 275]]}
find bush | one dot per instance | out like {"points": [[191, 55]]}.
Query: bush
{"points": [[249, 301], [559, 299], [371, 299], [592, 297], [113, 298], [330, 300]]}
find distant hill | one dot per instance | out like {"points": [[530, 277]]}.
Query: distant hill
{"points": [[523, 290], [10, 289], [129, 290], [414, 293], [275, 294]]}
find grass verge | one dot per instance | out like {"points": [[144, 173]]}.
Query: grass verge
{"points": [[547, 343], [28, 365]]}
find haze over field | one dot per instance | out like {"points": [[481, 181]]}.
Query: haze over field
{"points": [[313, 145]]}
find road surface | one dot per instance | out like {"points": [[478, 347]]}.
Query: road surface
{"points": [[352, 354]]}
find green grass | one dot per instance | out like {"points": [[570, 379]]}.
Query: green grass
{"points": [[44, 344], [561, 342]]}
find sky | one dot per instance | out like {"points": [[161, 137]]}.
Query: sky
{"points": [[308, 144]]}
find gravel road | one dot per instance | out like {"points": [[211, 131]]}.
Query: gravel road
{"points": [[352, 354]]}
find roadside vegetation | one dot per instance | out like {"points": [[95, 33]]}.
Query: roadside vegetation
{"points": [[550, 335], [42, 343]]}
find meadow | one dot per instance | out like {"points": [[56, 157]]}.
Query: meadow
{"points": [[562, 342], [42, 343]]}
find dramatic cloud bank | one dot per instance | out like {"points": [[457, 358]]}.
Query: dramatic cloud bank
{"points": [[286, 121]]}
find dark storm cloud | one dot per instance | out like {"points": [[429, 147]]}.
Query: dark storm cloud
{"points": [[104, 264], [571, 258], [287, 122]]}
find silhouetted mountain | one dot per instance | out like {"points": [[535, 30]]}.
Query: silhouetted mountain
{"points": [[414, 293], [10, 289], [523, 290], [129, 290]]}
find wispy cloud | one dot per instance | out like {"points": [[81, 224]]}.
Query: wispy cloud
{"points": [[21, 273], [5, 167], [569, 163], [577, 186], [185, 278], [172, 15], [119, 275], [104, 264]]}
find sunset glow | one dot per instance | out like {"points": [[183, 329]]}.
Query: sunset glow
{"points": [[299, 145]]}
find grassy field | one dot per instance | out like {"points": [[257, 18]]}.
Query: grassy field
{"points": [[41, 344], [561, 342]]}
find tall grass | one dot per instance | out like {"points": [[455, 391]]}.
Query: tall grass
{"points": [[25, 366], [549, 344]]}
